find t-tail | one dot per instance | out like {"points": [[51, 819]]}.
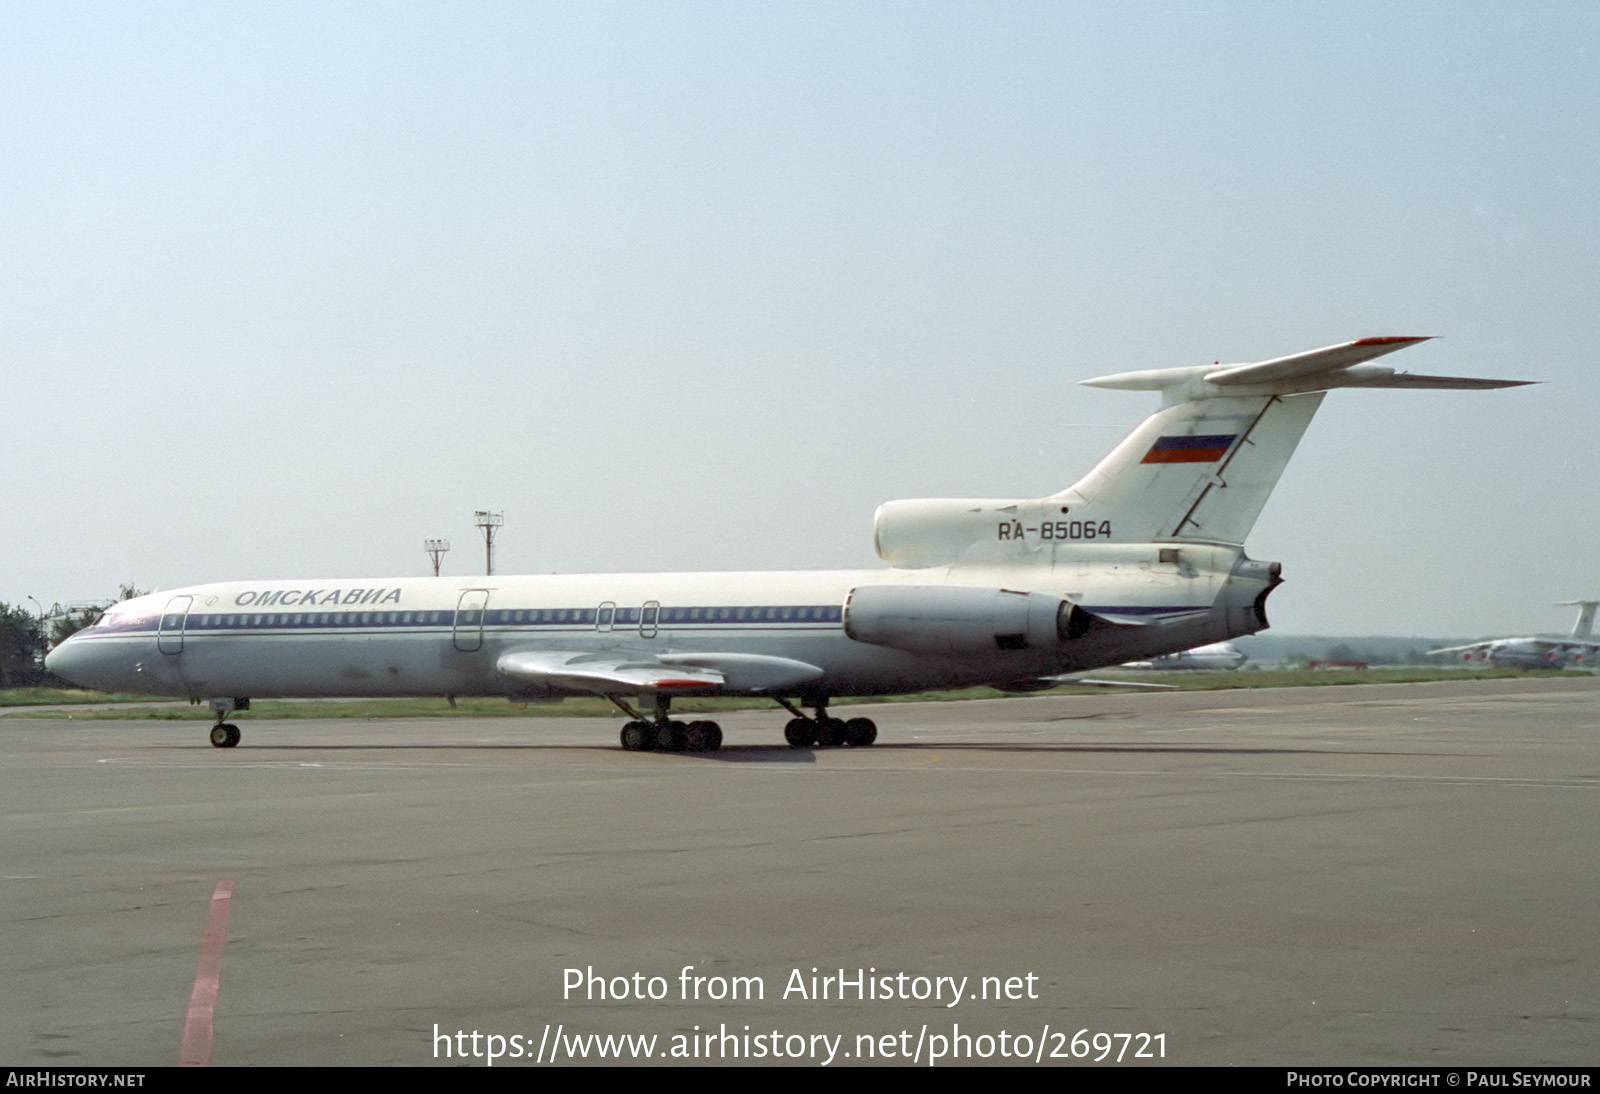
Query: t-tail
{"points": [[1197, 471], [1584, 627]]}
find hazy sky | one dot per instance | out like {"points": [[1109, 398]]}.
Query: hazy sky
{"points": [[288, 288]]}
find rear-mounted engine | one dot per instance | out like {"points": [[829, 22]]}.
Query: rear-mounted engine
{"points": [[958, 619]]}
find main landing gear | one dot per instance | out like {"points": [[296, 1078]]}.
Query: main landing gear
{"points": [[826, 732], [666, 734], [226, 734]]}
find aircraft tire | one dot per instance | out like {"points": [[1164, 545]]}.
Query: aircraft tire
{"points": [[831, 732], [638, 737], [703, 737], [225, 735], [860, 732], [800, 733], [671, 736]]}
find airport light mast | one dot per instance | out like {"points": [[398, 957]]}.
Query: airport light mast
{"points": [[488, 523], [436, 549]]}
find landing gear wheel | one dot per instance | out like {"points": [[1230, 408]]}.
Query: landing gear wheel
{"points": [[860, 732], [671, 736], [830, 732], [225, 735], [638, 736], [703, 737], [800, 733]]}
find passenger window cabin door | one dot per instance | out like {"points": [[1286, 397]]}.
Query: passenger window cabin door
{"points": [[469, 620], [169, 635]]}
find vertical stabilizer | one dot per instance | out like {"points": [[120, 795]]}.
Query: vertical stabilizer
{"points": [[1201, 470], [1202, 467], [1584, 627]]}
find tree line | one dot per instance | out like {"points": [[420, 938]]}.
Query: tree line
{"points": [[25, 638]]}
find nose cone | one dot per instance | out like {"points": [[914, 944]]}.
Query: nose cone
{"points": [[65, 661], [80, 662]]}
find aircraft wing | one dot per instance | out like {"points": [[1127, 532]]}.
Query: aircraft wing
{"points": [[621, 674], [1535, 644], [572, 670]]}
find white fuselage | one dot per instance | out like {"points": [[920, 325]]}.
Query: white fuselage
{"points": [[445, 636]]}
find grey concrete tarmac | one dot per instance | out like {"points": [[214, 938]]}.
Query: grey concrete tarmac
{"points": [[1402, 874]]}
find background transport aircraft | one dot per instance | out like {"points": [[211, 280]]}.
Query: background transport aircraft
{"points": [[1217, 656], [1140, 558], [1539, 653]]}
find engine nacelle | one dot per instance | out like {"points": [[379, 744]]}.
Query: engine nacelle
{"points": [[933, 531], [960, 619]]}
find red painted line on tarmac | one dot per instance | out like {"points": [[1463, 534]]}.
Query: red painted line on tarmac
{"points": [[196, 1050]]}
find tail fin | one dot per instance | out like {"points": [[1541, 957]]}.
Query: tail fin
{"points": [[1584, 627], [1202, 467], [1198, 470]]}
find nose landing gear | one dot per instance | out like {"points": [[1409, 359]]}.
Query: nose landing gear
{"points": [[226, 734]]}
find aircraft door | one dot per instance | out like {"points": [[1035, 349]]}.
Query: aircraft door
{"points": [[605, 616], [469, 620], [169, 637], [648, 618]]}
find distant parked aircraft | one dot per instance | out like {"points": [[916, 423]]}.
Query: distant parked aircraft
{"points": [[1217, 656], [1539, 652]]}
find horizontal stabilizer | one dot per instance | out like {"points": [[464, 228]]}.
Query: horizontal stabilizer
{"points": [[1329, 359], [1344, 365], [1452, 383]]}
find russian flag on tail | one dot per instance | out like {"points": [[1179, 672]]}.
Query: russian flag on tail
{"points": [[1203, 449]]}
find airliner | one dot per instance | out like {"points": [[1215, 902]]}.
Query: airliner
{"points": [[1142, 557], [1218, 656], [1551, 652]]}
